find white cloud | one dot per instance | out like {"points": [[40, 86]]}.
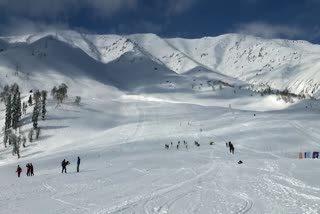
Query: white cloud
{"points": [[64, 9], [37, 8], [19, 26], [139, 27], [28, 16], [176, 7], [57, 9], [110, 7], [270, 31]]}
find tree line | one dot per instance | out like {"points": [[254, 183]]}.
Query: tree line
{"points": [[15, 108]]}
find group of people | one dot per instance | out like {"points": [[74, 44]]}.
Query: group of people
{"points": [[197, 143], [231, 147], [64, 165], [29, 167], [185, 143]]}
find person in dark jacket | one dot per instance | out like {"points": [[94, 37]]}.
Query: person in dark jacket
{"points": [[231, 149], [31, 170], [28, 169], [64, 164], [19, 170], [78, 164]]}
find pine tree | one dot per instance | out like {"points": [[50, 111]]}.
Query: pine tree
{"points": [[44, 99], [54, 91], [77, 100], [8, 113], [4, 94], [15, 144], [19, 105], [24, 107], [6, 137], [37, 133], [30, 135], [61, 93], [16, 108], [37, 97], [14, 88], [24, 140], [63, 90], [35, 116], [15, 116]]}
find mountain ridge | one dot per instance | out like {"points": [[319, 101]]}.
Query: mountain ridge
{"points": [[281, 64]]}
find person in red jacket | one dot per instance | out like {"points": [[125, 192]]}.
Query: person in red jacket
{"points": [[19, 170]]}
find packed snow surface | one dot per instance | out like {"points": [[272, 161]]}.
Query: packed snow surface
{"points": [[134, 102]]}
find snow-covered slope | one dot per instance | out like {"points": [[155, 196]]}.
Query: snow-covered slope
{"points": [[140, 92], [282, 64], [279, 63]]}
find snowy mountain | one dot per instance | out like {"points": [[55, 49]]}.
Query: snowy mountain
{"points": [[281, 64], [140, 92]]}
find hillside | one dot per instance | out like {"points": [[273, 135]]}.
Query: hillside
{"points": [[140, 92], [281, 64]]}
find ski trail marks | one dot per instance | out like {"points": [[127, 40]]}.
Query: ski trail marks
{"points": [[53, 197], [248, 203]]}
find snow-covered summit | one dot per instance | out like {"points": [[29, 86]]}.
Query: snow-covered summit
{"points": [[282, 64]]}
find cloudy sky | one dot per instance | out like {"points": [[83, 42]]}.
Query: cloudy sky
{"points": [[291, 19]]}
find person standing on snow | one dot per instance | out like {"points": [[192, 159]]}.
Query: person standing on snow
{"points": [[19, 170], [31, 170], [64, 166], [78, 164], [28, 169]]}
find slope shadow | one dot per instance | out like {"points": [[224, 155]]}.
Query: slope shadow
{"points": [[53, 127], [60, 118], [31, 154], [44, 137], [124, 73]]}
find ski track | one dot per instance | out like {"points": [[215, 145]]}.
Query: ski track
{"points": [[302, 130], [117, 208], [248, 203], [53, 197], [216, 177]]}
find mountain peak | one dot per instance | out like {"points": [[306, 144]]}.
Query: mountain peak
{"points": [[282, 64]]}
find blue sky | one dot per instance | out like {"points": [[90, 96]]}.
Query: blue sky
{"points": [[290, 19]]}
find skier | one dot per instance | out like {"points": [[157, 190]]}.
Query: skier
{"points": [[28, 169], [231, 148], [78, 164], [64, 164], [31, 169], [19, 170]]}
